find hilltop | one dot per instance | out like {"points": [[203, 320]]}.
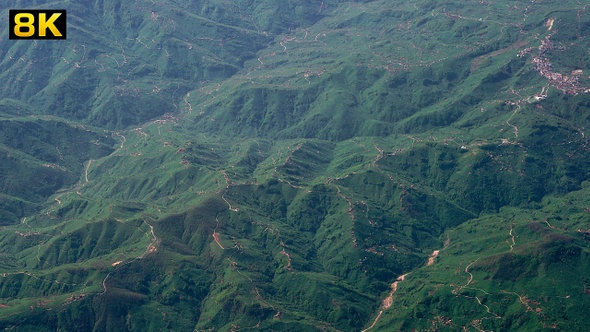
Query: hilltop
{"points": [[333, 166]]}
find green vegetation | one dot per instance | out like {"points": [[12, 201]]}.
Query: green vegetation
{"points": [[263, 165], [520, 268]]}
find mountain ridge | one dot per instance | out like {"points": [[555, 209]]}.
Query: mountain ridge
{"points": [[284, 169]]}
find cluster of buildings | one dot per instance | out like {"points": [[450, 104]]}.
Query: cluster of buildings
{"points": [[567, 83]]}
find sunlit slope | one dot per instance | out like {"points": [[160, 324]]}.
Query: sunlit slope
{"points": [[518, 269], [39, 157], [370, 69], [125, 62], [302, 163]]}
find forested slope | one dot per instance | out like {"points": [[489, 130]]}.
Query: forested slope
{"points": [[297, 166]]}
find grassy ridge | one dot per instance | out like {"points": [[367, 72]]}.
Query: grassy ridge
{"points": [[519, 269], [269, 166]]}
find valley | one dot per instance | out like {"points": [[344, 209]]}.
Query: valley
{"points": [[343, 166]]}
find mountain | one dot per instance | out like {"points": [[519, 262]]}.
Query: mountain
{"points": [[297, 166]]}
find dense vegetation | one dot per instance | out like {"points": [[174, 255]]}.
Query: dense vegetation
{"points": [[297, 166]]}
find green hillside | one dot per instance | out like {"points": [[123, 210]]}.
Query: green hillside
{"points": [[297, 166]]}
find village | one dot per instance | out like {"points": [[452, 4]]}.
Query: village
{"points": [[569, 84]]}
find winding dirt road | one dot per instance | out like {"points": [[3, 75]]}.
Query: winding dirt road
{"points": [[432, 257], [388, 301]]}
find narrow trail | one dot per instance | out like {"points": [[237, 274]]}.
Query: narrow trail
{"points": [[374, 322], [350, 213], [76, 189], [150, 248], [86, 169], [514, 128], [479, 301], [286, 254], [188, 104], [259, 297], [522, 298], [123, 139], [388, 301], [229, 204], [548, 224], [487, 308], [512, 236], [432, 257], [469, 280], [379, 156], [227, 185], [104, 283], [216, 235]]}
